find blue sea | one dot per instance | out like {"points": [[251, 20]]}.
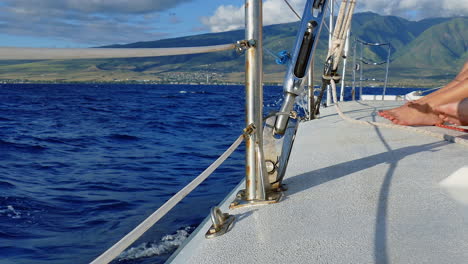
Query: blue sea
{"points": [[83, 164]]}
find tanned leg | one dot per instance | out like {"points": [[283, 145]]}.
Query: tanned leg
{"points": [[394, 114], [455, 113], [463, 75], [425, 113]]}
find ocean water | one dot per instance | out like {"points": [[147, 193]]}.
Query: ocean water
{"points": [[81, 165]]}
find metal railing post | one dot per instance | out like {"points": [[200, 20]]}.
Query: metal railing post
{"points": [[310, 91], [256, 184], [353, 90], [386, 72], [330, 37], [360, 71], [258, 189], [346, 51]]}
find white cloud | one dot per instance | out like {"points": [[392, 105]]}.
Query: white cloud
{"points": [[231, 17], [98, 6], [416, 9], [96, 22], [91, 22], [276, 11]]}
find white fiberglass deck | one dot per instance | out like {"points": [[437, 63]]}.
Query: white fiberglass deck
{"points": [[356, 194]]}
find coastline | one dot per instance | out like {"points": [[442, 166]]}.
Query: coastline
{"points": [[396, 84]]}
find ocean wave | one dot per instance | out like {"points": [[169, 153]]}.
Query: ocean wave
{"points": [[75, 141], [170, 96], [10, 212], [123, 137], [95, 109], [95, 99], [7, 145], [194, 92], [48, 166], [166, 245], [54, 142], [112, 205], [71, 170], [213, 125], [6, 185], [109, 187]]}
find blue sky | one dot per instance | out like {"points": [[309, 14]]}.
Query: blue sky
{"points": [[28, 24], [87, 23]]}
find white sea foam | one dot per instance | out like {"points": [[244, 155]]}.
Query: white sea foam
{"points": [[10, 212], [167, 244], [183, 92], [301, 100]]}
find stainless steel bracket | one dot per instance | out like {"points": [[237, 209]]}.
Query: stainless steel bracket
{"points": [[222, 223], [249, 130], [278, 149], [241, 201], [243, 45]]}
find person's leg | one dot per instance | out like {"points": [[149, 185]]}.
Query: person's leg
{"points": [[455, 113], [424, 113], [391, 113], [457, 93], [463, 75]]}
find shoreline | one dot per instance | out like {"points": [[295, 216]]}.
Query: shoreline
{"points": [[148, 82]]}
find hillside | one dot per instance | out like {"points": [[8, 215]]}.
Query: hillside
{"points": [[441, 45], [431, 50]]}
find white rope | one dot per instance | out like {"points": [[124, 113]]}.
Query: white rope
{"points": [[340, 18], [131, 237], [440, 136], [342, 25], [12, 53]]}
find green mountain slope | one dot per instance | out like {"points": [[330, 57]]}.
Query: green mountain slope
{"points": [[441, 46], [428, 49]]}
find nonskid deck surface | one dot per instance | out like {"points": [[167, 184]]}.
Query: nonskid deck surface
{"points": [[356, 194]]}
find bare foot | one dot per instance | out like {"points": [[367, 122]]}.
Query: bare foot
{"points": [[389, 114], [414, 114], [455, 113]]}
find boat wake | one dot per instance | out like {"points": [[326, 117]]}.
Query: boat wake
{"points": [[166, 245], [10, 212]]}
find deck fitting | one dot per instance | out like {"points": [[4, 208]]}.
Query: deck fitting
{"points": [[240, 201], [222, 223]]}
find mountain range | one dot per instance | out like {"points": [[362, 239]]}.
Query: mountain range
{"points": [[428, 52]]}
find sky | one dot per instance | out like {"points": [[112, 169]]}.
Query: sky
{"points": [[90, 23]]}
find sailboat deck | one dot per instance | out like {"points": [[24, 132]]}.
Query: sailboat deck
{"points": [[356, 194]]}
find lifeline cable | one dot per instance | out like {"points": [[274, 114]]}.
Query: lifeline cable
{"points": [[10, 53]]}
